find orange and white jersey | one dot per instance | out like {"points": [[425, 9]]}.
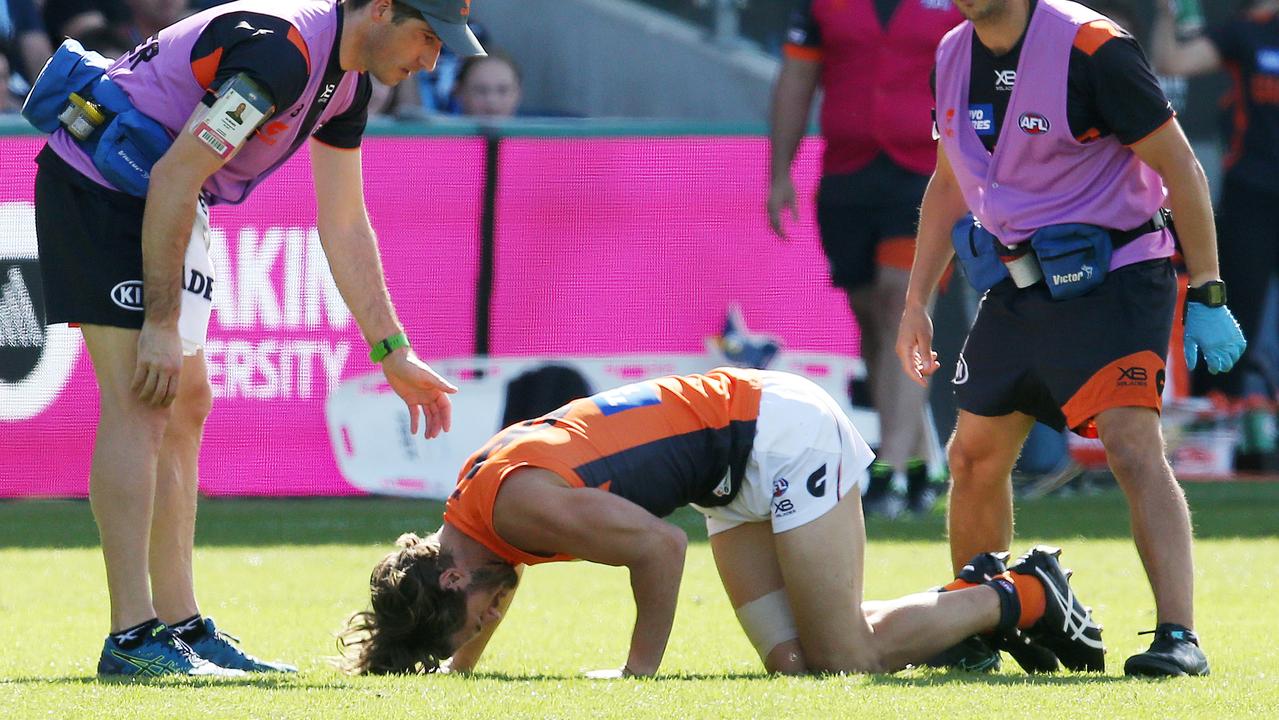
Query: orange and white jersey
{"points": [[661, 443]]}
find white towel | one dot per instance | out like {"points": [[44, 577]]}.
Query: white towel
{"points": [[197, 285]]}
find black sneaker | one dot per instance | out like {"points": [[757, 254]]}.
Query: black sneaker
{"points": [[967, 655], [1174, 652], [880, 499], [921, 491], [972, 654], [1067, 627]]}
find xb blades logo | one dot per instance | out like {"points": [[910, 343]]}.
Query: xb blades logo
{"points": [[1033, 123], [1133, 376]]}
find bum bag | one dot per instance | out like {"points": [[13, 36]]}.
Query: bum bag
{"points": [[978, 252], [73, 91]]}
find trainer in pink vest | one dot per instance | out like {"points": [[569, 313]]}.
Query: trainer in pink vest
{"points": [[165, 89], [1039, 174]]}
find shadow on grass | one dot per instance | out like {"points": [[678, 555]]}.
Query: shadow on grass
{"points": [[262, 681], [1221, 510]]}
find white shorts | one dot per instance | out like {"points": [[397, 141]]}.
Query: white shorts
{"points": [[197, 285], [807, 456]]}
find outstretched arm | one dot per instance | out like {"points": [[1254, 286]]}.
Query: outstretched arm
{"points": [[351, 247], [537, 512]]}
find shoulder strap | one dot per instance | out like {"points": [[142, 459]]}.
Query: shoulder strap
{"points": [[333, 73]]}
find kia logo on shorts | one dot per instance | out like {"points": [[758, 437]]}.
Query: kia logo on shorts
{"points": [[1033, 123], [128, 295]]}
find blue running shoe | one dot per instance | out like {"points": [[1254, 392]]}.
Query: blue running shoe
{"points": [[216, 647], [161, 654]]}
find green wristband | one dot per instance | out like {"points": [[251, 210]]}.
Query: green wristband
{"points": [[380, 350]]}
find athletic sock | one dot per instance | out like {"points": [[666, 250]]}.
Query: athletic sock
{"points": [[191, 629], [132, 637], [958, 584], [1010, 606], [1030, 590]]}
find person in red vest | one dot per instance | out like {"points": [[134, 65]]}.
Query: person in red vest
{"points": [[872, 59]]}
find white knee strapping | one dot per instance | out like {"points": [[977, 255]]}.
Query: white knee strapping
{"points": [[768, 622]]}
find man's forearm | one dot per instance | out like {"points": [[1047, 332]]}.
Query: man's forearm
{"points": [[166, 231], [357, 272], [942, 207], [1191, 204], [655, 584], [788, 117]]}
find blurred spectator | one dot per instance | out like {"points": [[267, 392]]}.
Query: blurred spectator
{"points": [[489, 86], [73, 18], [24, 43], [107, 41], [1248, 210], [872, 59], [147, 17], [135, 20]]}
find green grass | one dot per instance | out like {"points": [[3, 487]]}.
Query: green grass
{"points": [[283, 574]]}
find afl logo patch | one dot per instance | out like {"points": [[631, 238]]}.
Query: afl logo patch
{"points": [[1033, 123], [128, 295]]}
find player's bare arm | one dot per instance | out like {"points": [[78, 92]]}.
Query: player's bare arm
{"points": [[942, 207], [351, 247], [537, 512], [175, 185], [792, 98], [1168, 152]]}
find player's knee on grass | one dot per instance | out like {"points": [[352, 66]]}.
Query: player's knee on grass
{"points": [[770, 627]]}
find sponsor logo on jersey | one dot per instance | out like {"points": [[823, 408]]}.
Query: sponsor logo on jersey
{"points": [[935, 4], [1033, 123], [1005, 79], [982, 117]]}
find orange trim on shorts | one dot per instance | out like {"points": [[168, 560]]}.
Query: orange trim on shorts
{"points": [[802, 52], [1134, 380], [899, 253]]}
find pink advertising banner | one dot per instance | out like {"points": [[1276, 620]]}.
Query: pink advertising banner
{"points": [[603, 247]]}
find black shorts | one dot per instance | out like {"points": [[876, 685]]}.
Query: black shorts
{"points": [[856, 212], [1065, 361], [90, 241]]}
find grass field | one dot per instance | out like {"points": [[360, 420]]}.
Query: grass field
{"points": [[283, 574]]}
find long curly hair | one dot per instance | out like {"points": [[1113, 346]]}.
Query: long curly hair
{"points": [[411, 618]]}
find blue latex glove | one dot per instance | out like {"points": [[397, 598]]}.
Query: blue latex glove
{"points": [[1214, 331]]}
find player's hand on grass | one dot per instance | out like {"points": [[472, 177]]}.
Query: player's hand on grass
{"points": [[915, 345], [781, 197], [155, 377], [422, 389]]}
